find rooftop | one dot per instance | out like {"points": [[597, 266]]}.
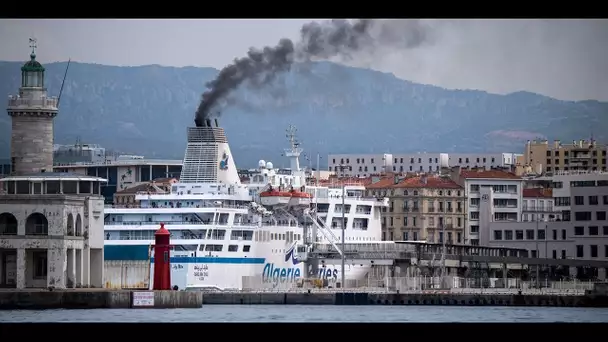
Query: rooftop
{"points": [[126, 162], [53, 176], [488, 174], [538, 193], [146, 187], [415, 182]]}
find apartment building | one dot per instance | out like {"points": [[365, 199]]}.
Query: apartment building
{"points": [[419, 162], [541, 156], [359, 165], [422, 208], [584, 236], [492, 195], [538, 205], [364, 165], [487, 161], [563, 182]]}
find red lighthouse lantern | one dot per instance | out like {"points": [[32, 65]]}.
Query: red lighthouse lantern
{"points": [[162, 261]]}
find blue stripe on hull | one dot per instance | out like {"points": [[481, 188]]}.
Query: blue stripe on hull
{"points": [[126, 252], [212, 260]]}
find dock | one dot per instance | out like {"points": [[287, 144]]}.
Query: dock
{"points": [[447, 297], [98, 299]]}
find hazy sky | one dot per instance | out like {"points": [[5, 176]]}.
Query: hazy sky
{"points": [[565, 59]]}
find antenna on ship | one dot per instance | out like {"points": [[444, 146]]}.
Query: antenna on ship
{"points": [[293, 153], [63, 82]]}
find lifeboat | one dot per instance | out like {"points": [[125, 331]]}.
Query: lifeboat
{"points": [[274, 197], [300, 198], [291, 197]]}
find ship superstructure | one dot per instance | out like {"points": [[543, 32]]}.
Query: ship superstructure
{"points": [[228, 234]]}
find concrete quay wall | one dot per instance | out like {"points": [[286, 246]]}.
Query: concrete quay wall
{"points": [[95, 299], [362, 298]]}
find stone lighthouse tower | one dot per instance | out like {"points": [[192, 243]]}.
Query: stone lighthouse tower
{"points": [[32, 113]]}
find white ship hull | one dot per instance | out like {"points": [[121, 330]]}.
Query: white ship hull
{"points": [[225, 235]]}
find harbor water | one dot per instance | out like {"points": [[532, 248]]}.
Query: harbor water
{"points": [[322, 313]]}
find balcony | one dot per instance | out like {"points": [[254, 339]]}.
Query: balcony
{"points": [[14, 101], [540, 209]]}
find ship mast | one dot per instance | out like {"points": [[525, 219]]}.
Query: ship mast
{"points": [[293, 153]]}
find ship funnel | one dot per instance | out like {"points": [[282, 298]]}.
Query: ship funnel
{"points": [[216, 124], [208, 158]]}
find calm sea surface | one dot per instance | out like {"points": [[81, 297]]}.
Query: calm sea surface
{"points": [[307, 313]]}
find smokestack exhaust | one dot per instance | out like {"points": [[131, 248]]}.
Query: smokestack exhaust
{"points": [[208, 122], [318, 41]]}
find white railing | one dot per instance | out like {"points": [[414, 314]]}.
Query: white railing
{"points": [[160, 162], [327, 233], [138, 206], [42, 102]]}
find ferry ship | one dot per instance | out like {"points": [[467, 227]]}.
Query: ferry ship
{"points": [[230, 234]]}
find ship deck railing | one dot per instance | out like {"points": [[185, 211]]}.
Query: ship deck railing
{"points": [[137, 206]]}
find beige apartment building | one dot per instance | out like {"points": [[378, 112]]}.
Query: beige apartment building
{"points": [[542, 156], [421, 208]]}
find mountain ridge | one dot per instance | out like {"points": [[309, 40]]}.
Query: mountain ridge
{"points": [[337, 109]]}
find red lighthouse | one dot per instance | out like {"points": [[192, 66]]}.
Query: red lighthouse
{"points": [[162, 263]]}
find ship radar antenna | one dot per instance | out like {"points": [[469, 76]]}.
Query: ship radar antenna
{"points": [[294, 151], [291, 135]]}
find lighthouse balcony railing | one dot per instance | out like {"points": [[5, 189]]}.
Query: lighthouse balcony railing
{"points": [[14, 101]]}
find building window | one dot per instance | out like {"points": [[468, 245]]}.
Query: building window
{"points": [[508, 235], [459, 237], [519, 234], [498, 235], [600, 215], [593, 200], [554, 234], [582, 216], [529, 234], [580, 251], [563, 254], [563, 234], [593, 230], [579, 200], [593, 249], [605, 230], [578, 231], [40, 264], [554, 254], [540, 234]]}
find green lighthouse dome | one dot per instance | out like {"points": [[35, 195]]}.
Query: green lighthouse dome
{"points": [[32, 72], [32, 65]]}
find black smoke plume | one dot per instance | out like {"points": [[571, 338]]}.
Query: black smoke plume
{"points": [[318, 41]]}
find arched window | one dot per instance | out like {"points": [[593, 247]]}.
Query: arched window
{"points": [[8, 224], [36, 224]]}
